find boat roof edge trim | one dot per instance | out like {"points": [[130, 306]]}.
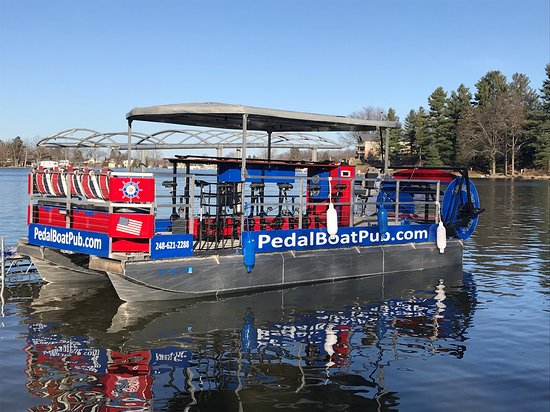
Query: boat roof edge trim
{"points": [[229, 116]]}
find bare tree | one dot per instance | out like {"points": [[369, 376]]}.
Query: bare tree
{"points": [[498, 129], [482, 133], [3, 153], [516, 116], [367, 113]]}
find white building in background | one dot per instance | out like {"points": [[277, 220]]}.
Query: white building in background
{"points": [[49, 163], [366, 146]]}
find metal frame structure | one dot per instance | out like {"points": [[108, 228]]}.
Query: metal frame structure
{"points": [[186, 139]]}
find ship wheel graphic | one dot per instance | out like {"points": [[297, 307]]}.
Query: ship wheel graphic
{"points": [[130, 189]]}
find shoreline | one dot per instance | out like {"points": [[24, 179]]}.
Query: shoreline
{"points": [[472, 174], [500, 176]]}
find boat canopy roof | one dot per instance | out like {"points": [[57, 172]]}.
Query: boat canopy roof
{"points": [[230, 116]]}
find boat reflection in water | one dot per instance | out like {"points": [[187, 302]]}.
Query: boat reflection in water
{"points": [[324, 345]]}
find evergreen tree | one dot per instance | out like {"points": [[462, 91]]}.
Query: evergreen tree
{"points": [[541, 144], [440, 143], [520, 87], [395, 135], [294, 154], [409, 132], [17, 150], [489, 87], [522, 104], [77, 157], [460, 108], [424, 142]]}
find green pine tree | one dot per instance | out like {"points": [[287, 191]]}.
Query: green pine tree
{"points": [[409, 133], [522, 107], [395, 135], [427, 153], [460, 107], [489, 87], [440, 147], [541, 144]]}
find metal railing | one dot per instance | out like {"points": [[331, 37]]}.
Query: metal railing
{"points": [[215, 213]]}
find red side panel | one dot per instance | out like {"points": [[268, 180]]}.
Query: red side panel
{"points": [[91, 220], [342, 189], [52, 216], [131, 189], [130, 245], [424, 174], [131, 225]]}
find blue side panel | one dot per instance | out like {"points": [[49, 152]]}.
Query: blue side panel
{"points": [[277, 173], [171, 246], [229, 173], [162, 225], [81, 241], [307, 239], [320, 179]]}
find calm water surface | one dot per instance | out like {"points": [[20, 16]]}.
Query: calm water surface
{"points": [[460, 340]]}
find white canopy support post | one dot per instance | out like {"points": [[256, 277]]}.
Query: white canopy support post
{"points": [[129, 145], [243, 171], [269, 145], [243, 152], [386, 151], [313, 154], [142, 159], [3, 257]]}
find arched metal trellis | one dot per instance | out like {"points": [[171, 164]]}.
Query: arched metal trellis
{"points": [[184, 139]]}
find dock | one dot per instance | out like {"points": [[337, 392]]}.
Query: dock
{"points": [[15, 267]]}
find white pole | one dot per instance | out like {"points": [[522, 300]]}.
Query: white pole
{"points": [[386, 151], [3, 273], [3, 262], [129, 145], [243, 170]]}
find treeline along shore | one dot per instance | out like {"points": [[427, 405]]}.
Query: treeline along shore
{"points": [[502, 128]]}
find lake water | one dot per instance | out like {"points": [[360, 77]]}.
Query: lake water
{"points": [[469, 340]]}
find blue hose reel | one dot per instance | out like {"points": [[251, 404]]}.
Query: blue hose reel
{"points": [[460, 208]]}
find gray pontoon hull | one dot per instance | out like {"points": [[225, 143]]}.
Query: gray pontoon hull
{"points": [[218, 275], [56, 266]]}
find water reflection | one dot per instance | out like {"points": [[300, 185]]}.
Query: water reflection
{"points": [[323, 346], [512, 242]]}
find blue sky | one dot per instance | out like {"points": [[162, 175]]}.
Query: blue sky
{"points": [[66, 64]]}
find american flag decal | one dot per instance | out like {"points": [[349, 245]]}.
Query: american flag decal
{"points": [[130, 226]]}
